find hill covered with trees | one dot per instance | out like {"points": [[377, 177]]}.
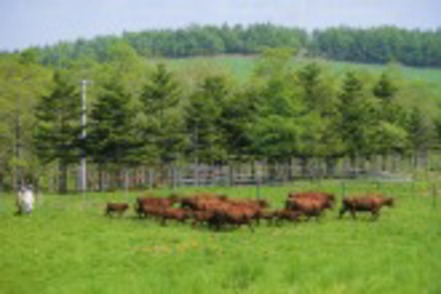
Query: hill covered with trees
{"points": [[368, 45]]}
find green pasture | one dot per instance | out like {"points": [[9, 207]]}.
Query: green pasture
{"points": [[67, 245], [242, 67]]}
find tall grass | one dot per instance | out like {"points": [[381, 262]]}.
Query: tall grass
{"points": [[67, 245]]}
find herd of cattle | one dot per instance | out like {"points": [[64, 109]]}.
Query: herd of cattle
{"points": [[218, 211]]}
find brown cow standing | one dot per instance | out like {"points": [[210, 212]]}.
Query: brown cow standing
{"points": [[116, 208], [370, 203]]}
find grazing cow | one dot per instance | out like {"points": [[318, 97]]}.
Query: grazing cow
{"points": [[25, 200], [116, 208], [310, 207], [369, 203]]}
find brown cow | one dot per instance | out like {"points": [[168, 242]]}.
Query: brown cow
{"points": [[200, 200], [310, 207], [178, 214], [254, 207], [327, 197], [286, 214], [370, 203], [116, 208], [201, 216], [234, 215], [142, 203]]}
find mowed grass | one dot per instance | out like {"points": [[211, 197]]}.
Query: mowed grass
{"points": [[68, 246]]}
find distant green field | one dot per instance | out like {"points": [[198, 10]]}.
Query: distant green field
{"points": [[242, 66], [68, 246]]}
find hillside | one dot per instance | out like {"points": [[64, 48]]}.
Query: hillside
{"points": [[376, 45], [241, 67]]}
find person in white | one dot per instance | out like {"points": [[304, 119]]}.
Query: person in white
{"points": [[25, 199]]}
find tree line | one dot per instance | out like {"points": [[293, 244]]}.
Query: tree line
{"points": [[144, 114], [369, 45]]}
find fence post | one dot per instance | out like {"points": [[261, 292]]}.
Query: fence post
{"points": [[230, 175], [343, 189], [258, 183], [196, 174], [379, 186], [127, 182], [151, 178], [174, 177]]}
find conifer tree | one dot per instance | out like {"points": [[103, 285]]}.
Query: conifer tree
{"points": [[202, 116], [58, 128], [110, 138], [163, 130]]}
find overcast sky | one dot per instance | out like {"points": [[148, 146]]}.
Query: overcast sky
{"points": [[39, 22]]}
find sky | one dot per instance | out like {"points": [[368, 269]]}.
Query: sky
{"points": [[25, 23]]}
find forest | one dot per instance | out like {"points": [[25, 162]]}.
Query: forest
{"points": [[368, 45]]}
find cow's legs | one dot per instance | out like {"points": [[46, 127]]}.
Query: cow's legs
{"points": [[375, 213], [353, 214], [342, 211]]}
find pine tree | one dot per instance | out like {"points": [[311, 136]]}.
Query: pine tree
{"points": [[58, 128], [322, 137], [110, 138], [385, 89], [163, 130], [202, 116], [390, 133], [358, 117]]}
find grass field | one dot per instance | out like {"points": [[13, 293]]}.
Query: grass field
{"points": [[68, 246], [242, 66]]}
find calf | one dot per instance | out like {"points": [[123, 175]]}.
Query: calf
{"points": [[369, 203], [116, 208]]}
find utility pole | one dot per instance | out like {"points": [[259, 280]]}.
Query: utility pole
{"points": [[83, 136]]}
